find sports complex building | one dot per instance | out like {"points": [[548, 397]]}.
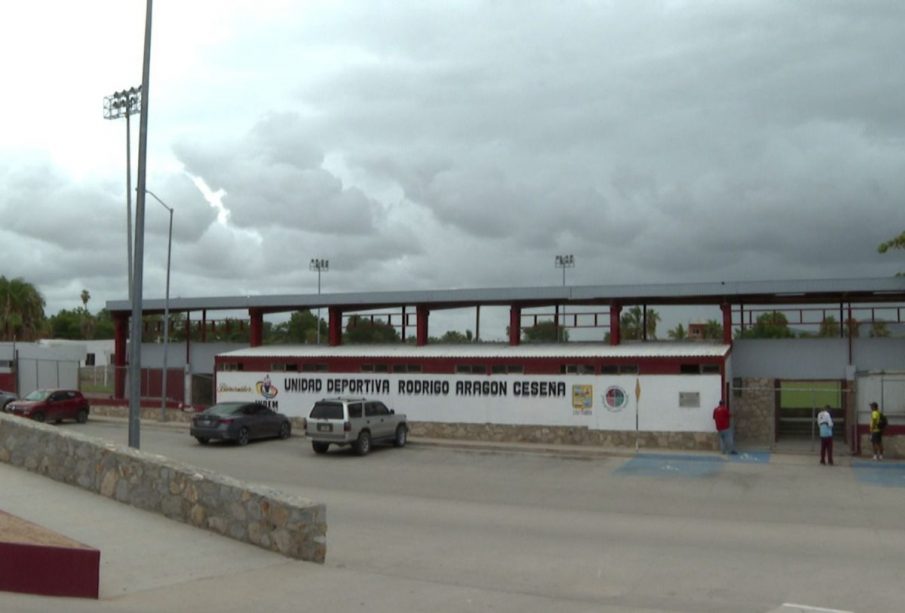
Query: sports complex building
{"points": [[600, 392]]}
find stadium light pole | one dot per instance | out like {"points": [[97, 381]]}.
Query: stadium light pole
{"points": [[320, 266], [166, 310], [138, 265], [564, 261], [125, 104]]}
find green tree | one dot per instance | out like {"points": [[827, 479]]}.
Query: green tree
{"points": [[360, 330], [103, 325], [455, 337], [894, 243], [829, 327], [879, 329], [634, 320], [66, 324], [545, 332], [713, 330], [769, 325], [678, 333], [301, 328], [21, 310]]}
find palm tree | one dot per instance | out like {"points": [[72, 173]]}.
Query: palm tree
{"points": [[713, 330], [21, 310], [678, 333], [634, 321], [86, 296]]}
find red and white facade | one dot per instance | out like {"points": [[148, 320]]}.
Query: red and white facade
{"points": [[650, 387]]}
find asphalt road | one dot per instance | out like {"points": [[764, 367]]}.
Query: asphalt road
{"points": [[541, 532]]}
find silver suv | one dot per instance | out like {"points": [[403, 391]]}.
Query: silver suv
{"points": [[354, 421]]}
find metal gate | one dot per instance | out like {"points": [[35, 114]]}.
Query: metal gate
{"points": [[797, 405]]}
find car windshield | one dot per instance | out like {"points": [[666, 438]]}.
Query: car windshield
{"points": [[38, 395], [327, 410], [227, 408]]}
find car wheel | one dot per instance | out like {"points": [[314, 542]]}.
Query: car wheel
{"points": [[243, 437], [82, 416], [320, 447], [203, 440], [285, 430], [401, 436], [38, 417], [363, 444]]}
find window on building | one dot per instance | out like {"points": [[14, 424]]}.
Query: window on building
{"points": [[284, 367], [628, 369], [474, 369], [231, 366], [314, 367], [504, 369], [577, 369]]}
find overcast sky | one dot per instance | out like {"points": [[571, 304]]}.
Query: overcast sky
{"points": [[437, 145]]}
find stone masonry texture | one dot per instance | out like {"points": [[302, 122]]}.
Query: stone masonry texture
{"points": [[293, 526]]}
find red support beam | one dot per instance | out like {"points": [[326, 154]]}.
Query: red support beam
{"points": [[515, 325], [335, 326], [615, 313], [727, 323], [256, 336], [422, 313], [120, 325]]}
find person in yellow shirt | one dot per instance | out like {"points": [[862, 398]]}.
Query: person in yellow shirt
{"points": [[876, 433]]}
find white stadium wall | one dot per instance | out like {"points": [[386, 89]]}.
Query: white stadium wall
{"points": [[675, 403]]}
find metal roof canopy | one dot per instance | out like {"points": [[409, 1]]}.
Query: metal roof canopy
{"points": [[808, 291], [488, 350]]}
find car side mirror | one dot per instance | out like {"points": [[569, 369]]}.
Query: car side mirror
{"points": [[392, 412]]}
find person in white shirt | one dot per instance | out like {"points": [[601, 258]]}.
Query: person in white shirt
{"points": [[825, 423]]}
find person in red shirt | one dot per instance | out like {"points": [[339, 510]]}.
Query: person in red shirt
{"points": [[723, 421]]}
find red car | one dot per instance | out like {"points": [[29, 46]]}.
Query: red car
{"points": [[52, 405]]}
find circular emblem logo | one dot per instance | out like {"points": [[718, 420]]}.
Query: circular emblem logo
{"points": [[615, 399], [266, 388]]}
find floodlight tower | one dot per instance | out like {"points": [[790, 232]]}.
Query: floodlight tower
{"points": [[320, 265], [564, 261]]}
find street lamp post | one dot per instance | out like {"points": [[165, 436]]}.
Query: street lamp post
{"points": [[320, 266], [564, 261], [125, 104], [166, 310]]}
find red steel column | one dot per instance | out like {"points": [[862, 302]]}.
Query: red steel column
{"points": [[615, 312], [335, 326], [120, 325], [515, 325], [422, 313], [257, 327], [727, 323]]}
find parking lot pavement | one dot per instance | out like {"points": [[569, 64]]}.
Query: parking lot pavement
{"points": [[502, 528], [152, 564]]}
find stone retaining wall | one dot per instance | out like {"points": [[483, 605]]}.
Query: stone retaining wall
{"points": [[291, 525], [565, 435]]}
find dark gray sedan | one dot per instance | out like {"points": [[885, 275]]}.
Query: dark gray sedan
{"points": [[239, 422], [6, 398]]}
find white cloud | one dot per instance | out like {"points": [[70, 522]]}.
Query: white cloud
{"points": [[433, 146]]}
